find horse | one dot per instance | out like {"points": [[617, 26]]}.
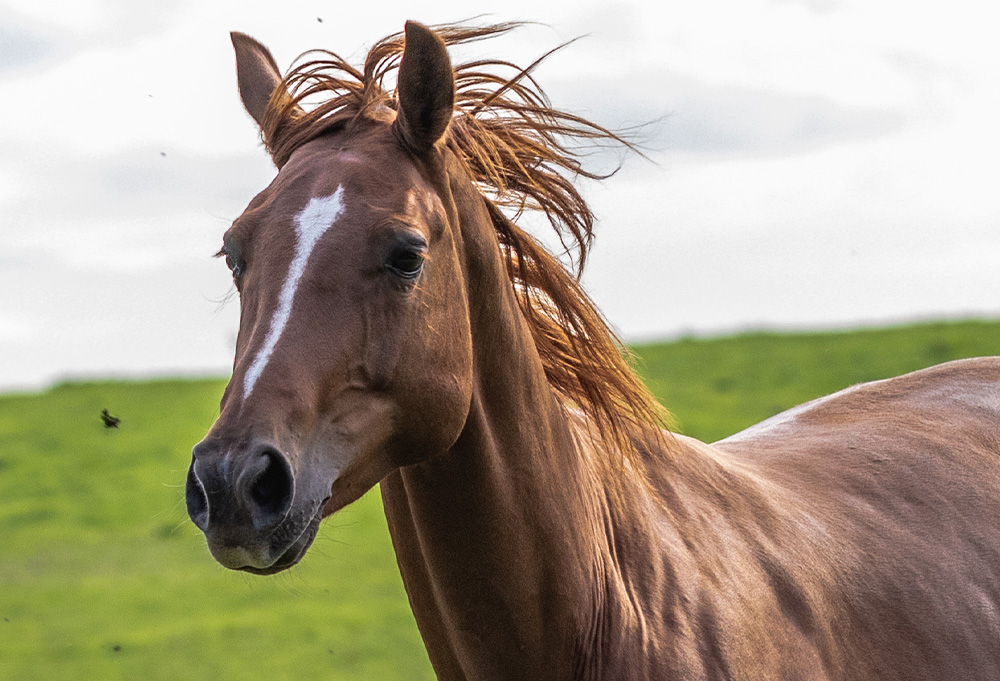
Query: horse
{"points": [[399, 328]]}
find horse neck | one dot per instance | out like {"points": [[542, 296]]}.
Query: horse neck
{"points": [[498, 539]]}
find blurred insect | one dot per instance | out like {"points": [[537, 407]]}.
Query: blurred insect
{"points": [[109, 420]]}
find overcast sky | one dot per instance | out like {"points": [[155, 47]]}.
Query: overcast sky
{"points": [[821, 163]]}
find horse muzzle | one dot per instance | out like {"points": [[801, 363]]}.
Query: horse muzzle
{"points": [[246, 501]]}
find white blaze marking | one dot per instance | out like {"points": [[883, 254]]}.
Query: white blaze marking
{"points": [[310, 224]]}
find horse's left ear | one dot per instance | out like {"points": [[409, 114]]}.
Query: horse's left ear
{"points": [[426, 89]]}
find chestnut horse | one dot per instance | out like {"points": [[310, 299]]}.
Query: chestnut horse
{"points": [[397, 327]]}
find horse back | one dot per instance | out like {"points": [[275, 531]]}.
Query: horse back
{"points": [[889, 494]]}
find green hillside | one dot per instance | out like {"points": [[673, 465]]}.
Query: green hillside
{"points": [[103, 577]]}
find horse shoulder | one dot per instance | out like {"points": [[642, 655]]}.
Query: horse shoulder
{"points": [[680, 588]]}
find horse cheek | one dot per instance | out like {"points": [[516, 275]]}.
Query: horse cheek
{"points": [[439, 395]]}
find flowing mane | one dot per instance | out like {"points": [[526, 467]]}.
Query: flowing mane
{"points": [[519, 150]]}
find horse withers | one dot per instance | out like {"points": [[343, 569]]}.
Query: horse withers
{"points": [[398, 328]]}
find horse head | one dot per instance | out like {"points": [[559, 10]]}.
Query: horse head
{"points": [[354, 354]]}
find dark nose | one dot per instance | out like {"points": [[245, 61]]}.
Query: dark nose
{"points": [[225, 485]]}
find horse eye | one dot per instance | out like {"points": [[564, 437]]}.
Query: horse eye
{"points": [[234, 264], [406, 261]]}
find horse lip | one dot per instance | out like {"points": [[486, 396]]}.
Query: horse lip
{"points": [[295, 551], [287, 560]]}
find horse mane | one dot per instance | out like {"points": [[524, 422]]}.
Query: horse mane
{"points": [[520, 152]]}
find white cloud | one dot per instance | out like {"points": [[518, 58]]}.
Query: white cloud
{"points": [[69, 322], [699, 118], [21, 43], [133, 211], [15, 330]]}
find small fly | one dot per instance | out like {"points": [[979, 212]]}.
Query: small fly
{"points": [[109, 420]]}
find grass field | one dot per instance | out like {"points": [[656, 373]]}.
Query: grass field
{"points": [[103, 577]]}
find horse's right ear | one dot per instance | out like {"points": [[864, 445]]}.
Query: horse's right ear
{"points": [[257, 75]]}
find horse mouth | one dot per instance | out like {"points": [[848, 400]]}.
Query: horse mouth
{"points": [[288, 559], [294, 553]]}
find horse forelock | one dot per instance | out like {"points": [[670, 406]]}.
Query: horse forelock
{"points": [[520, 153]]}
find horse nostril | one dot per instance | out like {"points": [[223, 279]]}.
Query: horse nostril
{"points": [[271, 490], [197, 499]]}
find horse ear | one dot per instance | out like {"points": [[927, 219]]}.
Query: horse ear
{"points": [[257, 75], [426, 89]]}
